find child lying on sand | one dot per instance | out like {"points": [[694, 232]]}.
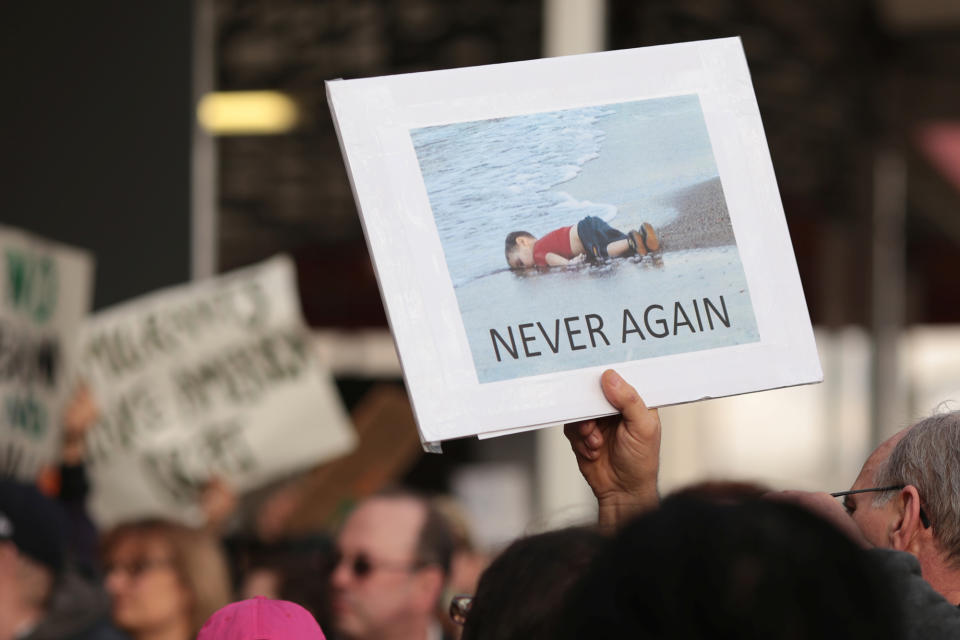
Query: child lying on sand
{"points": [[591, 238]]}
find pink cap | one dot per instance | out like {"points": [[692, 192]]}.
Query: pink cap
{"points": [[261, 619]]}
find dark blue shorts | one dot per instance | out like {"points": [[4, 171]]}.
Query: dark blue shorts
{"points": [[595, 235]]}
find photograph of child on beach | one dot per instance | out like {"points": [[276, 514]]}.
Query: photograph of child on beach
{"points": [[586, 236]]}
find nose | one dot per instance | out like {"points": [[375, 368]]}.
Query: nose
{"points": [[115, 581], [341, 575]]}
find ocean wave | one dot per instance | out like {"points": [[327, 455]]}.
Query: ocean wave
{"points": [[504, 173]]}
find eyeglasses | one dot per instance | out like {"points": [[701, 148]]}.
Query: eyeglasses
{"points": [[897, 487], [362, 566], [137, 568], [459, 608]]}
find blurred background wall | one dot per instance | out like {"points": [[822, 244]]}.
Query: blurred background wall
{"points": [[97, 118]]}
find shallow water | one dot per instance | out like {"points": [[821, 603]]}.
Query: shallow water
{"points": [[487, 178]]}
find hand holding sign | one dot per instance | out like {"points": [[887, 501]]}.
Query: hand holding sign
{"points": [[619, 455], [81, 414]]}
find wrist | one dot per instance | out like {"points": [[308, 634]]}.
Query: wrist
{"points": [[615, 508]]}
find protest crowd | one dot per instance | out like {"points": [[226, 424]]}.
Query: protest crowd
{"points": [[715, 559], [178, 461]]}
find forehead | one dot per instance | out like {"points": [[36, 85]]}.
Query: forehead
{"points": [[135, 545], [386, 528], [880, 455]]}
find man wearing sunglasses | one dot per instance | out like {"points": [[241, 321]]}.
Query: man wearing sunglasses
{"points": [[394, 558], [906, 498]]}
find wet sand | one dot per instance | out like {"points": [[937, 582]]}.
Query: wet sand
{"points": [[702, 219], [691, 217]]}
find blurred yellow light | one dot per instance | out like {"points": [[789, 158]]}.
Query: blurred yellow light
{"points": [[232, 113]]}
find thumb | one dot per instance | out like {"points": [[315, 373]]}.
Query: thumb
{"points": [[628, 402], [621, 395]]}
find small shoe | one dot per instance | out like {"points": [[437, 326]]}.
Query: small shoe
{"points": [[650, 239], [635, 240]]}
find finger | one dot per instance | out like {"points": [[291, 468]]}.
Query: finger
{"points": [[625, 399], [594, 440], [583, 447], [585, 452], [583, 431], [572, 431], [619, 393]]}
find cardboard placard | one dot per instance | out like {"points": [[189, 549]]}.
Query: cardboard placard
{"points": [[654, 225], [216, 378], [46, 291]]}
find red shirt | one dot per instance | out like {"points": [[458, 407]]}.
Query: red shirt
{"points": [[557, 241]]}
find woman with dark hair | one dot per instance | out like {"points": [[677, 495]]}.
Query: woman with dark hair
{"points": [[164, 579], [523, 588]]}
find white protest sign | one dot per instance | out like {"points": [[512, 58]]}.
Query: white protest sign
{"points": [[217, 378], [534, 223], [45, 293]]}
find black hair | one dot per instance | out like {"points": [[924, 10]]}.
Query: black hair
{"points": [[751, 570], [511, 242], [303, 567], [520, 592]]}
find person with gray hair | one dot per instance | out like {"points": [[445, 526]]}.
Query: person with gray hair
{"points": [[904, 506], [914, 479]]}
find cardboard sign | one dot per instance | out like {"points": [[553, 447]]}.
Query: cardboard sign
{"points": [[534, 223], [217, 378], [46, 290]]}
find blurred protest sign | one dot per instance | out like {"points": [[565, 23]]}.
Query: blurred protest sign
{"points": [[46, 291], [212, 379], [388, 447]]}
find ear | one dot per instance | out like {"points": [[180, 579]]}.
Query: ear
{"points": [[525, 241], [429, 586], [908, 528]]}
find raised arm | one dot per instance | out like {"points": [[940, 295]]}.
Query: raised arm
{"points": [[619, 455]]}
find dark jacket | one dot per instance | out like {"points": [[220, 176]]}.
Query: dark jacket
{"points": [[926, 614], [79, 610]]}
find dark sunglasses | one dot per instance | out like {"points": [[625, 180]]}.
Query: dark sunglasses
{"points": [[137, 568], [362, 566], [897, 487]]}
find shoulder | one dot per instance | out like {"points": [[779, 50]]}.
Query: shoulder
{"points": [[926, 614], [102, 631]]}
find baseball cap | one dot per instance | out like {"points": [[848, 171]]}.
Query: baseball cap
{"points": [[261, 619], [33, 522]]}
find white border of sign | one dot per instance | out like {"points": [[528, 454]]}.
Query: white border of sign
{"points": [[373, 118]]}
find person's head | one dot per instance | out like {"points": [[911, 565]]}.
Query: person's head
{"points": [[261, 619], [394, 556], [32, 547], [723, 491], [523, 588], [294, 569], [518, 249], [467, 562], [755, 569], [162, 575], [923, 462]]}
